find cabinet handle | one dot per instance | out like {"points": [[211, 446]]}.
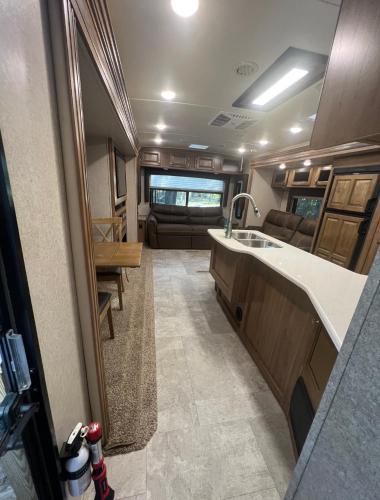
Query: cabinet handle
{"points": [[315, 321]]}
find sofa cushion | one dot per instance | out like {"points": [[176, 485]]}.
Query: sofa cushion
{"points": [[281, 225], [169, 209], [303, 237], [212, 221], [178, 229], [205, 211], [168, 219], [202, 229]]}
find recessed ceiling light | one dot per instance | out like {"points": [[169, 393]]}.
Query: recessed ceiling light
{"points": [[295, 130], [168, 95], [198, 146], [282, 166], [307, 163], [263, 142], [241, 150], [161, 126], [185, 8], [158, 140], [289, 79]]}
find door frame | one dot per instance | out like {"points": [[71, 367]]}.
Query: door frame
{"points": [[68, 18], [38, 437]]}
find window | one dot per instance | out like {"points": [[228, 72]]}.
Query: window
{"points": [[306, 207], [186, 191]]}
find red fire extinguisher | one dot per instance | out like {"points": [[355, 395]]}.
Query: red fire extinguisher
{"points": [[99, 469]]}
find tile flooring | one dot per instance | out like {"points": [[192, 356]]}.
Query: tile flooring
{"points": [[221, 434]]}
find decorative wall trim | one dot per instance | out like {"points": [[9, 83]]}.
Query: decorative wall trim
{"points": [[94, 22], [302, 153]]}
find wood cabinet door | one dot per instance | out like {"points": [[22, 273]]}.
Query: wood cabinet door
{"points": [[150, 158], [279, 325], [223, 267], [179, 160], [207, 163], [300, 177], [352, 192], [280, 178], [338, 238], [349, 105], [319, 366], [322, 175]]}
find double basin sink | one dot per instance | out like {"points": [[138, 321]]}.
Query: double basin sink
{"points": [[252, 240]]}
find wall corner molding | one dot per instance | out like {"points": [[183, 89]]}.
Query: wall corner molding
{"points": [[95, 25]]}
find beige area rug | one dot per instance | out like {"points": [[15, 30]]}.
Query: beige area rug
{"points": [[130, 362]]}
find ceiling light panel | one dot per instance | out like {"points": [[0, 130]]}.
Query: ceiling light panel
{"points": [[290, 74], [185, 8], [198, 146], [168, 95], [295, 129]]}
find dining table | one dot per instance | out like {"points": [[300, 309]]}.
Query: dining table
{"points": [[117, 254]]}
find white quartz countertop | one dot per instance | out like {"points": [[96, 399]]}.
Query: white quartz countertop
{"points": [[333, 290]]}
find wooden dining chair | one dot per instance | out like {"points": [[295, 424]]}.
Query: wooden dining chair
{"points": [[104, 304], [110, 229]]}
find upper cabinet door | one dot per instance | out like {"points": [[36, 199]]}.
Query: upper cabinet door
{"points": [[349, 108], [150, 158], [352, 192], [322, 175], [179, 159], [208, 163], [300, 177]]}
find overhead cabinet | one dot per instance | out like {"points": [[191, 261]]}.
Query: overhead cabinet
{"points": [[322, 175], [349, 107], [300, 177], [280, 178], [181, 159], [352, 193]]}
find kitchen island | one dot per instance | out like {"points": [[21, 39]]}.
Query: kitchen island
{"points": [[291, 309]]}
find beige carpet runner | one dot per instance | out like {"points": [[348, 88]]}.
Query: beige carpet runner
{"points": [[130, 362]]}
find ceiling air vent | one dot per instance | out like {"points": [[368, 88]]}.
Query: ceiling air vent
{"points": [[233, 121]]}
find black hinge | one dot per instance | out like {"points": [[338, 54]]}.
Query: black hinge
{"points": [[14, 416]]}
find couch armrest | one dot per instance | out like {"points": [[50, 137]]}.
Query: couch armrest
{"points": [[152, 230]]}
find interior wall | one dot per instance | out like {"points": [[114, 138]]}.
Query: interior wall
{"points": [[98, 177], [132, 209], [28, 123], [266, 198]]}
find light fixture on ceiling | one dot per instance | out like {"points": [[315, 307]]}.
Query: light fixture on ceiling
{"points": [[263, 142], [242, 150], [185, 8], [295, 130], [289, 79], [158, 140], [198, 146], [313, 117], [307, 163], [282, 166], [161, 126], [168, 95], [291, 73]]}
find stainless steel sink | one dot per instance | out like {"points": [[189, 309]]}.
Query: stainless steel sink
{"points": [[250, 239], [244, 235], [259, 243]]}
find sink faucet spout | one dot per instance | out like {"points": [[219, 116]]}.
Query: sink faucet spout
{"points": [[254, 206]]}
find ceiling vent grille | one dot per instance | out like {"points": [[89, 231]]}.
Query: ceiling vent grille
{"points": [[233, 121]]}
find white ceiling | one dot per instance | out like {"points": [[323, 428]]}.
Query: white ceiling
{"points": [[197, 57]]}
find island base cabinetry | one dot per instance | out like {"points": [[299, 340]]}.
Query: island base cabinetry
{"points": [[279, 329], [278, 325]]}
